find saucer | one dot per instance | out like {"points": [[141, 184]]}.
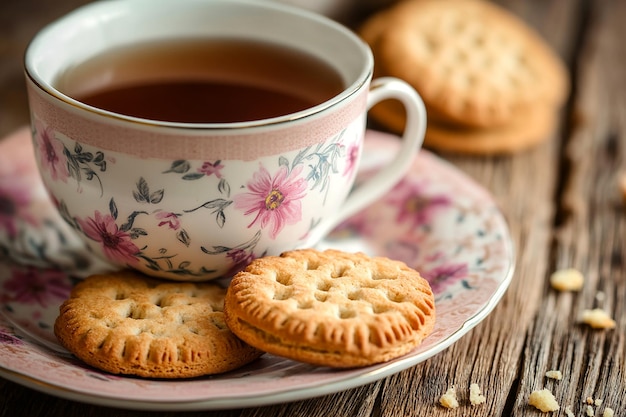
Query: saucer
{"points": [[437, 220]]}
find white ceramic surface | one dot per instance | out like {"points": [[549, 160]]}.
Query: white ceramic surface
{"points": [[197, 201], [436, 219]]}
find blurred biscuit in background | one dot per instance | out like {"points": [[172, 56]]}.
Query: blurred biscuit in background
{"points": [[490, 83]]}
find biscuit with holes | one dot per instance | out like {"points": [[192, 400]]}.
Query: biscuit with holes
{"points": [[330, 308], [472, 62], [127, 323]]}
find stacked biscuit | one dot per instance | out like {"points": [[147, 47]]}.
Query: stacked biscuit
{"points": [[327, 308], [490, 84], [330, 308]]}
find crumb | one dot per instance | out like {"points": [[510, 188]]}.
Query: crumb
{"points": [[568, 412], [589, 411], [589, 400], [476, 396], [608, 412], [554, 375], [569, 279], [448, 399], [597, 402], [598, 319], [543, 400], [600, 296]]}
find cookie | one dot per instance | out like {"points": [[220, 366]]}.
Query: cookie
{"points": [[528, 129], [330, 308], [472, 62], [532, 128], [126, 323]]}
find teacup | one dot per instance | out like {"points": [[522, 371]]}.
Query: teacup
{"points": [[196, 200]]}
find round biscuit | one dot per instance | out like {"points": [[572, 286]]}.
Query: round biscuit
{"points": [[515, 137], [471, 61], [528, 129], [330, 308], [127, 323]]}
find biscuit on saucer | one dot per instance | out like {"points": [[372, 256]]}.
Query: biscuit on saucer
{"points": [[127, 323], [330, 308]]}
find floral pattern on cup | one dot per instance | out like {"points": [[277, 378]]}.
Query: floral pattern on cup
{"points": [[269, 200], [31, 229]]}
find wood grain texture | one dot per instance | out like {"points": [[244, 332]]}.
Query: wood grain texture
{"points": [[564, 209], [492, 355], [590, 230]]}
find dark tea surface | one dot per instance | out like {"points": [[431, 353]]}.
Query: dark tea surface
{"points": [[202, 81]]}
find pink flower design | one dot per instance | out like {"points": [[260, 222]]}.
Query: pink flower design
{"points": [[116, 244], [51, 154], [209, 168], [240, 258], [276, 201], [414, 205], [14, 206], [353, 157], [445, 275], [168, 219], [9, 339], [35, 286]]}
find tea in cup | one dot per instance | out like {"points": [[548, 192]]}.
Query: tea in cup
{"points": [[184, 139]]}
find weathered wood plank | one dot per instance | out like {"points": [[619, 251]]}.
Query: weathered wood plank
{"points": [[591, 232], [358, 402], [490, 354]]}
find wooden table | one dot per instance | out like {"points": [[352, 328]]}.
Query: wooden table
{"points": [[565, 210]]}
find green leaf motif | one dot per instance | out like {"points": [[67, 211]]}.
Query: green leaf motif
{"points": [[157, 196], [113, 208], [193, 176], [142, 194], [180, 166], [183, 237], [223, 187]]}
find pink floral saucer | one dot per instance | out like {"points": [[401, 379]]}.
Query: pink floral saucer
{"points": [[437, 220]]}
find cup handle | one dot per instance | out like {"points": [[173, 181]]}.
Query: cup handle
{"points": [[375, 187]]}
